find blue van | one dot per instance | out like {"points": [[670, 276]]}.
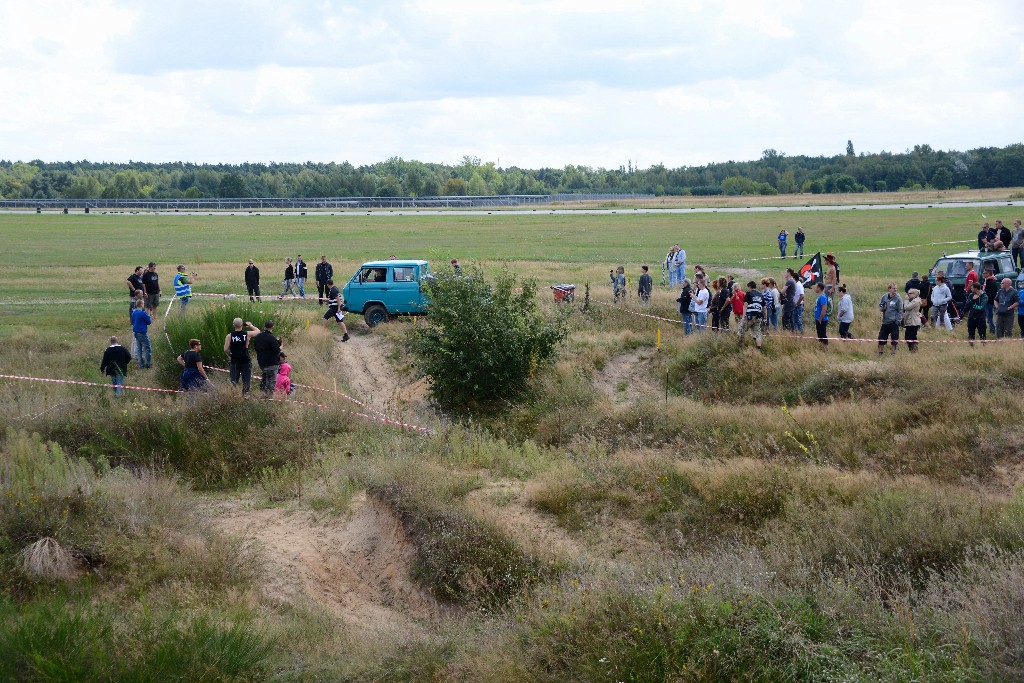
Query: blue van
{"points": [[381, 289]]}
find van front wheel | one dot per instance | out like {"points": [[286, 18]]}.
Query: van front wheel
{"points": [[375, 314]]}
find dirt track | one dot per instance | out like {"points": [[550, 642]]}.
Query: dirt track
{"points": [[358, 569]]}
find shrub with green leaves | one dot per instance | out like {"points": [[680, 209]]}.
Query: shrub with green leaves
{"points": [[484, 341]]}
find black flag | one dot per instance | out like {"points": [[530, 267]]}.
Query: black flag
{"points": [[810, 274]]}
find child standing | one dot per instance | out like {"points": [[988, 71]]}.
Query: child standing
{"points": [[645, 286], [284, 381]]}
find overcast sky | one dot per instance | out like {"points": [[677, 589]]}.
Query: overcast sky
{"points": [[520, 83]]}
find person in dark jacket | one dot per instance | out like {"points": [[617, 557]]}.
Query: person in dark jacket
{"points": [[301, 274], [324, 273], [134, 285], [268, 356], [645, 286], [977, 302], [252, 281], [288, 284], [115, 365]]}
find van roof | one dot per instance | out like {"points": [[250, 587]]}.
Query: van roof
{"points": [[977, 255], [396, 262]]}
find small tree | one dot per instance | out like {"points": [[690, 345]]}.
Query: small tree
{"points": [[483, 341]]}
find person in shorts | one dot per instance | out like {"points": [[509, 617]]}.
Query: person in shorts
{"points": [[151, 285], [334, 309], [753, 313]]}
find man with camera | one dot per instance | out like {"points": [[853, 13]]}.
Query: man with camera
{"points": [[183, 287]]}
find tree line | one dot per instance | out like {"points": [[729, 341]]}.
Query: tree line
{"points": [[774, 173]]}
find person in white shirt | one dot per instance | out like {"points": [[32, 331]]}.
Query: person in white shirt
{"points": [[845, 310], [798, 312], [679, 263], [941, 296], [700, 305]]}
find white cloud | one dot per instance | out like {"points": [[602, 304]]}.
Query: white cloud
{"points": [[530, 82]]}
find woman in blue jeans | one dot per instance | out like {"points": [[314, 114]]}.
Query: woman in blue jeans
{"points": [[783, 236]]}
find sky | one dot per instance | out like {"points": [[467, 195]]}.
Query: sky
{"points": [[522, 83]]}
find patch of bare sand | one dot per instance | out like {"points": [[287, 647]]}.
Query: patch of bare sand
{"points": [[627, 377], [371, 377], [504, 504], [359, 569]]}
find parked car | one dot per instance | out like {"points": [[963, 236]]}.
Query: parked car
{"points": [[955, 268], [381, 289]]}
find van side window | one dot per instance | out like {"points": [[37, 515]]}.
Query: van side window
{"points": [[405, 274], [374, 274]]}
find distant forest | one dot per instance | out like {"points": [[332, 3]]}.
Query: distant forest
{"points": [[774, 173]]}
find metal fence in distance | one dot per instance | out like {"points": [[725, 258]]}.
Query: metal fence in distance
{"points": [[310, 203]]}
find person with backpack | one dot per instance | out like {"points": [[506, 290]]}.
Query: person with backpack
{"points": [[821, 308], [685, 302]]}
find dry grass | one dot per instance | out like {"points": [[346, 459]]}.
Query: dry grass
{"points": [[49, 560]]}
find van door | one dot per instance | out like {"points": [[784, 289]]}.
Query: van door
{"points": [[405, 289], [369, 284]]}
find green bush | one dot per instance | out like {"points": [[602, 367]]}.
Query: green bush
{"points": [[210, 325], [484, 341]]}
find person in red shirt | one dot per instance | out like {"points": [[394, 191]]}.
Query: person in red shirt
{"points": [[738, 298], [972, 276]]}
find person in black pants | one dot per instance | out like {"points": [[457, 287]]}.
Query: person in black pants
{"points": [[891, 306], [324, 274], [236, 345], [268, 357], [252, 281], [976, 304]]}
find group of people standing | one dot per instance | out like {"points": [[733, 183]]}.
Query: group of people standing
{"points": [[294, 281], [798, 239], [999, 238], [275, 370]]}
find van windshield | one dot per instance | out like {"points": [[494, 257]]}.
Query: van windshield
{"points": [[951, 267]]}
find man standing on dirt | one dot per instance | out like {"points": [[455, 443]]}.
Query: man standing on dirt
{"points": [[236, 346], [334, 310], [324, 273], [268, 357], [151, 286]]}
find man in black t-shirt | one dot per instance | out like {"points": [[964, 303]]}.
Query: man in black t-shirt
{"points": [[252, 281], [334, 309], [268, 357], [236, 345], [753, 311], [151, 285]]}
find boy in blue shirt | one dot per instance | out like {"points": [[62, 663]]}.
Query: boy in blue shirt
{"points": [[821, 314]]}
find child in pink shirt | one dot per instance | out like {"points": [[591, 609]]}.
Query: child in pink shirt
{"points": [[284, 382]]}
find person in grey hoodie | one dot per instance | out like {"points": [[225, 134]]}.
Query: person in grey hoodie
{"points": [[891, 306], [941, 296]]}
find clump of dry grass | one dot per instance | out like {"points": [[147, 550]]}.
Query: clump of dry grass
{"points": [[47, 559]]}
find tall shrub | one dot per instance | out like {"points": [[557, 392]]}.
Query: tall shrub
{"points": [[210, 325], [484, 340]]}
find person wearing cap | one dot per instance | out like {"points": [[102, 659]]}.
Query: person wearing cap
{"points": [[324, 273], [151, 286], [252, 281], [183, 287]]}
